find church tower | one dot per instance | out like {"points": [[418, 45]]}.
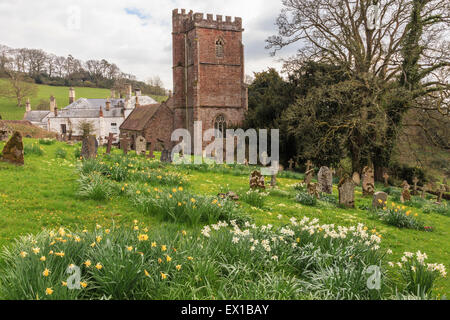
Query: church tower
{"points": [[208, 70]]}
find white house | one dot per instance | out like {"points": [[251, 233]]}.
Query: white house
{"points": [[105, 115]]}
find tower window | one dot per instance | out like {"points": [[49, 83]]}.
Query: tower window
{"points": [[221, 125], [219, 48]]}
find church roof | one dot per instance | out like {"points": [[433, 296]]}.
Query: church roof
{"points": [[139, 117]]}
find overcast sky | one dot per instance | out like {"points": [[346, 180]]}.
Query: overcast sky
{"points": [[135, 34]]}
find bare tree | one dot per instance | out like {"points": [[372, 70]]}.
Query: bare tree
{"points": [[18, 87]]}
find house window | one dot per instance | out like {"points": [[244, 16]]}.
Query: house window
{"points": [[219, 48], [221, 125], [114, 127], [63, 129]]}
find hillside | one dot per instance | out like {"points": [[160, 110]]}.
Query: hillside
{"points": [[9, 110], [45, 194]]}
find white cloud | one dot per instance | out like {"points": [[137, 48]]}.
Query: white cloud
{"points": [[135, 34]]}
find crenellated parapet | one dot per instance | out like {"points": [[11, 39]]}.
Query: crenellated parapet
{"points": [[184, 21]]}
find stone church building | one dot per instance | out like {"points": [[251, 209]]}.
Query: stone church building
{"points": [[208, 80]]}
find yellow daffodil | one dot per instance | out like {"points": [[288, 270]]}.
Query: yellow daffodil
{"points": [[130, 248], [183, 232], [46, 272], [168, 258], [48, 291], [98, 266], [178, 267], [23, 254], [93, 244], [159, 260], [143, 237], [180, 188], [87, 263], [36, 250], [64, 283], [42, 258], [163, 276], [190, 258], [83, 284], [59, 254], [153, 244], [146, 273]]}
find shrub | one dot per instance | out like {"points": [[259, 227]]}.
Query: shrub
{"points": [[61, 153], [328, 198], [95, 186], [443, 209], [77, 153], [400, 217], [254, 197], [33, 149], [300, 187], [306, 199], [418, 276], [180, 206]]}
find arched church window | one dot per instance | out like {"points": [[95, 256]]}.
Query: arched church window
{"points": [[221, 125], [219, 48]]}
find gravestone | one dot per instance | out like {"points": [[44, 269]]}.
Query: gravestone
{"points": [[5, 132], [340, 173], [150, 152], [13, 150], [309, 173], [346, 188], [415, 181], [291, 164], [325, 179], [141, 145], [424, 189], [368, 181], [89, 147], [440, 194], [313, 189], [124, 144], [356, 178], [273, 180], [406, 195], [379, 199], [386, 179], [166, 156], [256, 180], [110, 141]]}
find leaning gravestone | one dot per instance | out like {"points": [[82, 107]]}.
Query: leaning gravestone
{"points": [[313, 189], [325, 179], [386, 179], [13, 150], [309, 173], [256, 180], [379, 199], [110, 141], [89, 147], [141, 145], [346, 188], [368, 181]]}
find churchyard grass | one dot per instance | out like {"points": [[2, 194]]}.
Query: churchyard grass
{"points": [[43, 195]]}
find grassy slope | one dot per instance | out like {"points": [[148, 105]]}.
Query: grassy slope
{"points": [[42, 194], [10, 111]]}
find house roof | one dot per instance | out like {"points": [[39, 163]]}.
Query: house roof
{"points": [[84, 103], [36, 115], [139, 117], [88, 113]]}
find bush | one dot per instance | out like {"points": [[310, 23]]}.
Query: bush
{"points": [[328, 198], [400, 217], [254, 197], [306, 199], [61, 153], [443, 209], [33, 149], [180, 206], [95, 186]]}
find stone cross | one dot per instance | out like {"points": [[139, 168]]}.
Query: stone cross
{"points": [[406, 195], [124, 144], [291, 163], [309, 172], [386, 179], [110, 141]]}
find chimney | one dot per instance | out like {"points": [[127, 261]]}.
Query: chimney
{"points": [[113, 94], [71, 95], [129, 91], [108, 104], [137, 102], [101, 113], [52, 103], [56, 111], [137, 92], [28, 106]]}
